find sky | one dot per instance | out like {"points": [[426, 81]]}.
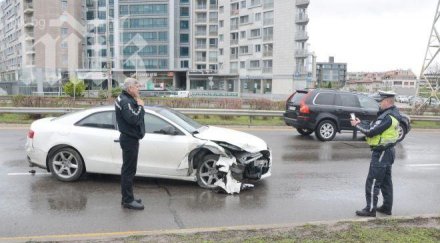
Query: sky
{"points": [[371, 35]]}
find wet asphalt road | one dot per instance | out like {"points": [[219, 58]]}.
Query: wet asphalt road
{"points": [[310, 181]]}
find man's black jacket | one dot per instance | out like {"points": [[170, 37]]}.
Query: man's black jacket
{"points": [[129, 116]]}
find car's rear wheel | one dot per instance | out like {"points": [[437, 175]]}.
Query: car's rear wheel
{"points": [[66, 164], [402, 132], [304, 131], [207, 173], [326, 130]]}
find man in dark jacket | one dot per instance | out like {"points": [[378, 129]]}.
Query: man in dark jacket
{"points": [[382, 135], [130, 118]]}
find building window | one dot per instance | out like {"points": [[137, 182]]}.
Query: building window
{"points": [[184, 38], [254, 64], [64, 44], [221, 51], [63, 5], [184, 51], [255, 33], [184, 24], [257, 48], [64, 32], [184, 12], [242, 65], [258, 17], [242, 34], [221, 9], [184, 64], [221, 23], [243, 4]]}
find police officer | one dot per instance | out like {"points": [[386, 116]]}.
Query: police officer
{"points": [[382, 135], [130, 118]]}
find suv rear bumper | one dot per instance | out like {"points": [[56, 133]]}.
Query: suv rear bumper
{"points": [[300, 122]]}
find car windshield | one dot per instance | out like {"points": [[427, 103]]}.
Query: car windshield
{"points": [[180, 119]]}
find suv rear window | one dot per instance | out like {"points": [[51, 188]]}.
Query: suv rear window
{"points": [[325, 99], [296, 98]]}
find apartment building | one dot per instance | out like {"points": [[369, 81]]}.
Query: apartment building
{"points": [[149, 39], [40, 44], [331, 74], [263, 43]]}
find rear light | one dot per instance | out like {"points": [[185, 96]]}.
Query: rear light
{"points": [[31, 134], [303, 108]]}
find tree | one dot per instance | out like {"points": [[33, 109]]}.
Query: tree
{"points": [[74, 88]]}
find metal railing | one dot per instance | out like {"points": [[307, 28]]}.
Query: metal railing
{"points": [[188, 111]]}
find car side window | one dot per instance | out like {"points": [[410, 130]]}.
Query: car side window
{"points": [[325, 99], [347, 100], [103, 120], [154, 124], [368, 103]]}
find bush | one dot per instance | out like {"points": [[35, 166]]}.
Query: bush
{"points": [[74, 88], [116, 92]]}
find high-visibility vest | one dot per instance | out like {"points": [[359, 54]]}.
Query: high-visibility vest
{"points": [[388, 136]]}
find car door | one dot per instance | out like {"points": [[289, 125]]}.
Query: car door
{"points": [[94, 138], [160, 153], [347, 103], [369, 109]]}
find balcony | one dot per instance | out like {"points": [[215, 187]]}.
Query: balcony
{"points": [[200, 46], [301, 36], [268, 22], [200, 33], [201, 20], [302, 19], [301, 53], [201, 59], [267, 4], [268, 38], [267, 69], [234, 56], [234, 41], [201, 7], [29, 36], [213, 20], [28, 7], [29, 50], [235, 12], [268, 54], [234, 26], [213, 32], [28, 22], [213, 6], [213, 46], [302, 3]]}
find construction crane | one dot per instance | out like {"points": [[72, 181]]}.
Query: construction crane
{"points": [[429, 83]]}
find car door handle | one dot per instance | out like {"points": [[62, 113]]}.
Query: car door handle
{"points": [[116, 140]]}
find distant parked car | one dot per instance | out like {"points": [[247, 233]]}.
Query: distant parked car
{"points": [[402, 99], [327, 112]]}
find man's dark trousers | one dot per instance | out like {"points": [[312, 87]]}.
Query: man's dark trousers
{"points": [[130, 150], [379, 179]]}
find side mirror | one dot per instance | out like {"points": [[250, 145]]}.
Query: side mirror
{"points": [[169, 130]]}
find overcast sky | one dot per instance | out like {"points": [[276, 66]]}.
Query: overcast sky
{"points": [[371, 35]]}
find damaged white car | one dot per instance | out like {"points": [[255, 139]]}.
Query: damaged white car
{"points": [[174, 147]]}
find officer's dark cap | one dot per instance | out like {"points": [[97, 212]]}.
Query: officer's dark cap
{"points": [[383, 95]]}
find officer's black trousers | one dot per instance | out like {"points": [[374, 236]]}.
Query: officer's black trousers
{"points": [[379, 179], [130, 150]]}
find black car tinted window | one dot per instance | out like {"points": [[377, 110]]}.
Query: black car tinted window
{"points": [[99, 120], [347, 100], [325, 99], [368, 103], [296, 98]]}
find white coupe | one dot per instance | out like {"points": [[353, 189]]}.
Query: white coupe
{"points": [[174, 147]]}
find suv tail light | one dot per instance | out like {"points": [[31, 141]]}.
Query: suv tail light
{"points": [[31, 134], [303, 107]]}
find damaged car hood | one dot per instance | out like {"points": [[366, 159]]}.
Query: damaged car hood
{"points": [[243, 140]]}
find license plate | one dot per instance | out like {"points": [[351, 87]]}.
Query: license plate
{"points": [[292, 108]]}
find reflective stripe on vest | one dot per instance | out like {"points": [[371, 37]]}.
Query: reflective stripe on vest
{"points": [[388, 136]]}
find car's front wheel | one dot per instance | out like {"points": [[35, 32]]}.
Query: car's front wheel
{"points": [[66, 164], [326, 130], [402, 132], [304, 131], [207, 173]]}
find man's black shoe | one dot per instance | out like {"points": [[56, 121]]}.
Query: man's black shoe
{"points": [[137, 200], [366, 213], [384, 210], [133, 205]]}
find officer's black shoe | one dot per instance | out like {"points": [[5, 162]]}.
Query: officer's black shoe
{"points": [[133, 205], [384, 210], [137, 200], [366, 213]]}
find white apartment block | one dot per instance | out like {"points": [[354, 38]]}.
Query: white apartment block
{"points": [[40, 44], [264, 43]]}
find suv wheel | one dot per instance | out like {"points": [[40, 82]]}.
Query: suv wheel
{"points": [[326, 130], [402, 132], [304, 131]]}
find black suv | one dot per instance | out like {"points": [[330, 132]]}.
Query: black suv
{"points": [[326, 112]]}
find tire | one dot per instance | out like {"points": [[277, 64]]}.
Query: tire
{"points": [[402, 132], [66, 164], [304, 131], [326, 130], [207, 174]]}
